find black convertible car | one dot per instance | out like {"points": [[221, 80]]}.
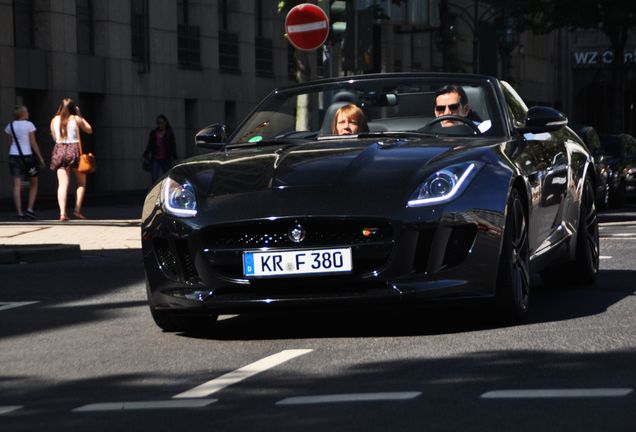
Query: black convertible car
{"points": [[285, 214]]}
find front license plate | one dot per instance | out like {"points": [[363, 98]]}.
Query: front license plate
{"points": [[283, 263]]}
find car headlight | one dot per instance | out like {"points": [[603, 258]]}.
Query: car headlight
{"points": [[444, 184], [179, 198]]}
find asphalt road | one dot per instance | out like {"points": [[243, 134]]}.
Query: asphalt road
{"points": [[79, 351]]}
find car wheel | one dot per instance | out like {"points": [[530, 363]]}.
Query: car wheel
{"points": [[513, 277], [585, 267], [171, 321]]}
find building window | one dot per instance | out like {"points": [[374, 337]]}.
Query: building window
{"points": [[140, 37], [188, 39], [264, 52], [264, 57], [23, 28], [84, 26], [228, 42]]}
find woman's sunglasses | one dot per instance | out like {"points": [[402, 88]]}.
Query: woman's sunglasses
{"points": [[453, 107]]}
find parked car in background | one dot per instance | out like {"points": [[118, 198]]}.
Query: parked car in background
{"points": [[593, 142], [620, 156]]}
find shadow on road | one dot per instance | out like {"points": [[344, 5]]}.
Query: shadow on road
{"points": [[548, 305]]}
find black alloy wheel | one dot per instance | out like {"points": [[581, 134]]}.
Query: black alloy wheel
{"points": [[587, 242], [513, 278]]}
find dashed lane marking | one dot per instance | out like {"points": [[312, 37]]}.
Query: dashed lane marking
{"points": [[238, 375], [352, 397], [9, 408], [11, 305], [602, 224], [146, 405], [618, 237], [557, 393]]}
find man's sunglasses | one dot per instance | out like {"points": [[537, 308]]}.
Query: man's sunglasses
{"points": [[452, 107]]}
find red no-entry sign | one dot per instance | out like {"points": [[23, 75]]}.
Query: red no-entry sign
{"points": [[307, 26]]}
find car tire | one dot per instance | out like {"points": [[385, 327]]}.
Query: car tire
{"points": [[585, 266], [584, 269], [513, 276], [170, 321]]}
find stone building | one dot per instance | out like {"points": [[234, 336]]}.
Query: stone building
{"points": [[126, 61], [205, 61]]}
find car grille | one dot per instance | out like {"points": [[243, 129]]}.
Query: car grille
{"points": [[175, 259], [319, 233], [224, 246]]}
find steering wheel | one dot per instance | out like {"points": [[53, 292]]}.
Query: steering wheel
{"points": [[465, 120]]}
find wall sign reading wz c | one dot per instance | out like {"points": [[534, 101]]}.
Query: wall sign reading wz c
{"points": [[601, 58]]}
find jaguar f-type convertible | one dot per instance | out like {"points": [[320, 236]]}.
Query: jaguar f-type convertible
{"points": [[423, 203]]}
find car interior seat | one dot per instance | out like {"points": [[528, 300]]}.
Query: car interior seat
{"points": [[476, 103]]}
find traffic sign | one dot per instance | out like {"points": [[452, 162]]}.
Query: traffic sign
{"points": [[307, 26]]}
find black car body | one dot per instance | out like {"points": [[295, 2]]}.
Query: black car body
{"points": [[285, 214], [620, 156]]}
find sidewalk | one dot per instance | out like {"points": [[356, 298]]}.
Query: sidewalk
{"points": [[113, 224]]}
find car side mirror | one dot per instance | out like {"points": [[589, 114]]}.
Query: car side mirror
{"points": [[543, 119], [212, 137]]}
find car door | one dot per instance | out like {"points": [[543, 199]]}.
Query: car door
{"points": [[547, 172]]}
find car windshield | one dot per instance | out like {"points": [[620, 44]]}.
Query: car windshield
{"points": [[389, 105]]}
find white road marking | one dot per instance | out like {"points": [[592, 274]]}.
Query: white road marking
{"points": [[352, 397], [557, 393], [617, 237], [226, 317], [238, 375], [11, 305], [605, 257], [145, 405], [602, 224], [9, 408]]}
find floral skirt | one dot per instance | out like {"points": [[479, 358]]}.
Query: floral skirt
{"points": [[65, 156]]}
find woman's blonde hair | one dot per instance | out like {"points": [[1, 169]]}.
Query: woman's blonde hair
{"points": [[65, 110], [351, 111], [18, 110]]}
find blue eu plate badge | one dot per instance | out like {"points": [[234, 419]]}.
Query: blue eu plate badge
{"points": [[248, 263]]}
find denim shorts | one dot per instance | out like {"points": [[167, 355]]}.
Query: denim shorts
{"points": [[16, 168]]}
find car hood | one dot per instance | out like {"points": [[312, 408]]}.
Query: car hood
{"points": [[360, 163]]}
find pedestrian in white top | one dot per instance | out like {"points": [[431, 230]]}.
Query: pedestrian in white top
{"points": [[25, 134]]}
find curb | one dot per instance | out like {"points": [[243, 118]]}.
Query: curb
{"points": [[27, 254]]}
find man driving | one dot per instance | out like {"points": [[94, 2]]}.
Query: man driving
{"points": [[452, 100]]}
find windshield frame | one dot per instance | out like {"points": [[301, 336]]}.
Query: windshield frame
{"points": [[385, 82]]}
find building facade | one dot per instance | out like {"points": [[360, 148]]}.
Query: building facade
{"points": [[209, 61], [126, 61]]}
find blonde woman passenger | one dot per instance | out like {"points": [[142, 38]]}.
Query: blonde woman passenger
{"points": [[349, 120], [65, 129]]}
